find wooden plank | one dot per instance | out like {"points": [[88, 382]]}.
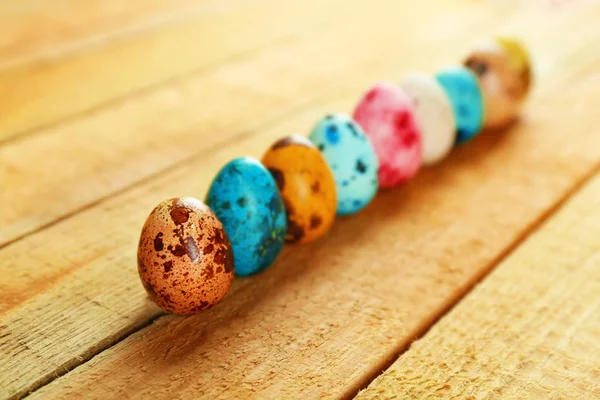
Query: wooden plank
{"points": [[323, 320], [84, 266], [39, 94], [167, 125], [39, 271], [34, 29], [320, 321], [530, 330]]}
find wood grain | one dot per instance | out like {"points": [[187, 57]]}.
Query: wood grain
{"points": [[321, 321], [39, 94], [529, 331]]}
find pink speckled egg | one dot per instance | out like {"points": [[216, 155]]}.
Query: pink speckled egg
{"points": [[185, 260], [387, 116]]}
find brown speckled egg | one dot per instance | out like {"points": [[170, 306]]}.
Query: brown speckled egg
{"points": [[184, 256]]}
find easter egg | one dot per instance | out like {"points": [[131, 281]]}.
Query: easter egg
{"points": [[184, 256], [306, 185], [351, 158], [434, 113], [462, 88], [387, 116], [503, 68], [245, 198]]}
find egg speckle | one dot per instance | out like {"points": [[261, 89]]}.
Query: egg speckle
{"points": [[185, 259]]}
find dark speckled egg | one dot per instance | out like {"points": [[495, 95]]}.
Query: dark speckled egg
{"points": [[245, 198], [185, 259]]}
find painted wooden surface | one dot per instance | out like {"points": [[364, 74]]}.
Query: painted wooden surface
{"points": [[94, 138], [529, 331]]}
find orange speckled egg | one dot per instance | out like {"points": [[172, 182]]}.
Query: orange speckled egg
{"points": [[307, 187], [184, 256]]}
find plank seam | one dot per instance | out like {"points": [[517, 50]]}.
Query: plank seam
{"points": [[448, 306], [70, 365]]}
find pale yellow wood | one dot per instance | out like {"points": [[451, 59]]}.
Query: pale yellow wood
{"points": [[43, 93], [323, 320], [529, 331], [31, 30]]}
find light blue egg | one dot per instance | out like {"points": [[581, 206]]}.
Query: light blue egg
{"points": [[467, 102], [245, 198], [352, 159]]}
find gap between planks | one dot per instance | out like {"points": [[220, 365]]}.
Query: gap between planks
{"points": [[529, 330]]}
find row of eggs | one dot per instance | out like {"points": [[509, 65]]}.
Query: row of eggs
{"points": [[189, 251]]}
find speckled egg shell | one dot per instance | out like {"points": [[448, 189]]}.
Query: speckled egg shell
{"points": [[387, 116], [184, 256], [306, 185], [462, 88], [504, 71], [352, 160], [434, 113], [245, 198]]}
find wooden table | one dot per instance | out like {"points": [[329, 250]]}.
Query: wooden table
{"points": [[479, 279]]}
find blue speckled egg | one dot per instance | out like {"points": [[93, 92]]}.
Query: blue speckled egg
{"points": [[352, 159], [467, 102], [245, 198]]}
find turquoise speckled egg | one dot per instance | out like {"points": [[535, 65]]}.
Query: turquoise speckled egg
{"points": [[245, 198], [352, 159], [462, 88]]}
